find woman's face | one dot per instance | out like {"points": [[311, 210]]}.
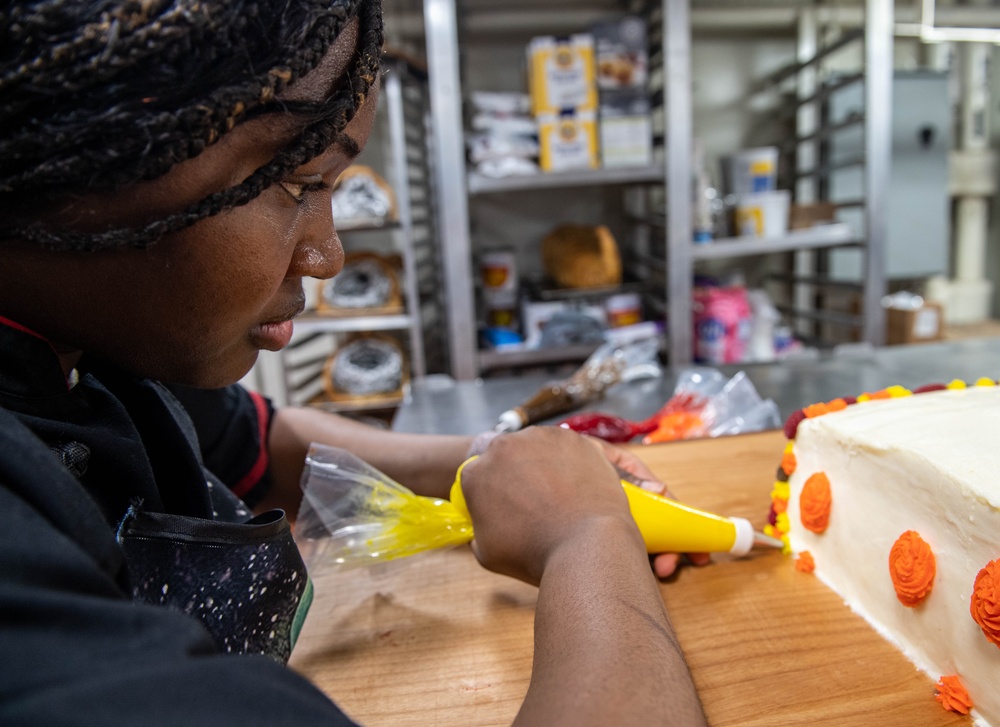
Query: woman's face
{"points": [[197, 306]]}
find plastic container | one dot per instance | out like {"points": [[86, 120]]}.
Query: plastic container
{"points": [[498, 271], [624, 309], [721, 325], [763, 214], [752, 170]]}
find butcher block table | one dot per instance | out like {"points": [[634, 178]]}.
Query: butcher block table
{"points": [[438, 640]]}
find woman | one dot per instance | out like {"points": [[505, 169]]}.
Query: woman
{"points": [[164, 171]]}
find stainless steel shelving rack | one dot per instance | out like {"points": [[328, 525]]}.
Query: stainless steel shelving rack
{"points": [[293, 376], [807, 278], [671, 212]]}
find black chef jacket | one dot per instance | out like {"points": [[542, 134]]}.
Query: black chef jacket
{"points": [[128, 567]]}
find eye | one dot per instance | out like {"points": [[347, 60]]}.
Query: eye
{"points": [[298, 189]]}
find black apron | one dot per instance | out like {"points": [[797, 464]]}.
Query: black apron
{"points": [[245, 582]]}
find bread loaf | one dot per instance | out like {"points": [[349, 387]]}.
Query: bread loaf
{"points": [[580, 256]]}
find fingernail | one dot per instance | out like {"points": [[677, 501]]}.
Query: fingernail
{"points": [[651, 486]]}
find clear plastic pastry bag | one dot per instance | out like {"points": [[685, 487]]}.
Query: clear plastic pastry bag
{"points": [[354, 515]]}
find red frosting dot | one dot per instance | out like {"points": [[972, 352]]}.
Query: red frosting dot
{"points": [[792, 423]]}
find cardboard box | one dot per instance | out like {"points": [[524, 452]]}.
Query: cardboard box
{"points": [[920, 325], [622, 54], [561, 74], [626, 129], [567, 141]]}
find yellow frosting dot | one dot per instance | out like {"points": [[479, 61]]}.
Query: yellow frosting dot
{"points": [[985, 382], [781, 491], [864, 397], [769, 530], [898, 391], [956, 384], [788, 447], [787, 547], [782, 523]]}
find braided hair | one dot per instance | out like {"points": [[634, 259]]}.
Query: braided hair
{"points": [[99, 94]]}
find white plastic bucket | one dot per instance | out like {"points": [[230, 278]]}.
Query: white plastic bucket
{"points": [[753, 170], [763, 214]]}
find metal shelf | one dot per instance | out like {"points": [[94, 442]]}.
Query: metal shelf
{"points": [[669, 21], [362, 225], [478, 184], [533, 357], [787, 72], [837, 235], [350, 324], [359, 404]]}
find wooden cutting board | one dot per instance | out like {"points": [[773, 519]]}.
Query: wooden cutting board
{"points": [[437, 640]]}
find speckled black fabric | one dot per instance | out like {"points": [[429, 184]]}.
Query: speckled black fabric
{"points": [[244, 581]]}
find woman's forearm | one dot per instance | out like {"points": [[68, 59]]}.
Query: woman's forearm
{"points": [[605, 652]]}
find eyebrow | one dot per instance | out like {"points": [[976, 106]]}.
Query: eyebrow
{"points": [[348, 144]]}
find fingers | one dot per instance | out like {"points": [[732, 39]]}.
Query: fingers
{"points": [[666, 564], [533, 491]]}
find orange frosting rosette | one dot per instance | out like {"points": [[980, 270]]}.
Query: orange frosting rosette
{"points": [[953, 696], [788, 462], [912, 567], [805, 563], [985, 606], [815, 502]]}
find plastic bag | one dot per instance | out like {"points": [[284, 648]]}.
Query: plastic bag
{"points": [[354, 515], [704, 404]]}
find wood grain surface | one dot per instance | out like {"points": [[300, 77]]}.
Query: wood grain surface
{"points": [[437, 640]]}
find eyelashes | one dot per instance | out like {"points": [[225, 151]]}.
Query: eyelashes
{"points": [[299, 190]]}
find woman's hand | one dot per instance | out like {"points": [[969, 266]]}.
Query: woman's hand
{"points": [[538, 492], [664, 564]]}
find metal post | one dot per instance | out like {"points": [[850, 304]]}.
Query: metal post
{"points": [[878, 150], [393, 91], [807, 122], [677, 176], [441, 24]]}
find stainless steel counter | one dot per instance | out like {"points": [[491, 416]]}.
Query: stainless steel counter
{"points": [[440, 405]]}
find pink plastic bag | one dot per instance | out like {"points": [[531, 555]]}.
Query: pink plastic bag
{"points": [[721, 325]]}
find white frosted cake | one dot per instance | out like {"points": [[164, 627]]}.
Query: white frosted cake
{"points": [[893, 500]]}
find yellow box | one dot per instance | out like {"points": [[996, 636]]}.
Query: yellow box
{"points": [[568, 141], [561, 74]]}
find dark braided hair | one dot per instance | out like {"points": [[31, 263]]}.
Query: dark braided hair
{"points": [[99, 94]]}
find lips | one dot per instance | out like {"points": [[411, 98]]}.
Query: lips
{"points": [[276, 333]]}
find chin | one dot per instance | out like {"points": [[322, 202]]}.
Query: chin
{"points": [[225, 374], [213, 374]]}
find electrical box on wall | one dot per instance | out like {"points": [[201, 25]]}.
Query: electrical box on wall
{"points": [[918, 216]]}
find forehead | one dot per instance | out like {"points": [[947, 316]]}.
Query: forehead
{"points": [[320, 81]]}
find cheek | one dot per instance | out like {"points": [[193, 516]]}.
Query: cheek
{"points": [[224, 271]]}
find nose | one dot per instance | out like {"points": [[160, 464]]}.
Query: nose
{"points": [[319, 252]]}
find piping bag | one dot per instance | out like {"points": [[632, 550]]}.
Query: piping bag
{"points": [[354, 515], [607, 366]]}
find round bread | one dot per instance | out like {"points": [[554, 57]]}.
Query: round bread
{"points": [[580, 256], [360, 193], [369, 365], [367, 281]]}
